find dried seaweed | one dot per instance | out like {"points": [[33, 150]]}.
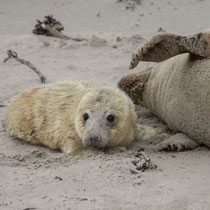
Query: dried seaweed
{"points": [[13, 54], [142, 162], [51, 27]]}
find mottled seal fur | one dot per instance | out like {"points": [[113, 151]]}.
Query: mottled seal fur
{"points": [[176, 90], [73, 115]]}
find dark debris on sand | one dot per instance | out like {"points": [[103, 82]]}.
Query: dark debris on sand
{"points": [[48, 21], [142, 162], [130, 4]]}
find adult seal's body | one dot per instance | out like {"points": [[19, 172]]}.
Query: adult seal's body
{"points": [[176, 90]]}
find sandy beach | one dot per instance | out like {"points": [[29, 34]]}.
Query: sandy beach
{"points": [[35, 177]]}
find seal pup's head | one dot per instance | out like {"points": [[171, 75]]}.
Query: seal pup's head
{"points": [[105, 118]]}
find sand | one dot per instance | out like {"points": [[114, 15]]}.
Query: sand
{"points": [[34, 177]]}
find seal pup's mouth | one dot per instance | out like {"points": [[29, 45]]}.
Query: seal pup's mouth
{"points": [[94, 141]]}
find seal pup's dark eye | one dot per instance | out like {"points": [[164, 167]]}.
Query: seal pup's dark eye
{"points": [[85, 117], [110, 118]]}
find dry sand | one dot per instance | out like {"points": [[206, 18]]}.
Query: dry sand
{"points": [[33, 177]]}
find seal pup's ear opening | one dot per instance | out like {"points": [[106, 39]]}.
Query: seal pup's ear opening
{"points": [[133, 85], [166, 45]]}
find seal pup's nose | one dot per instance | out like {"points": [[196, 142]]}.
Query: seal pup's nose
{"points": [[94, 140]]}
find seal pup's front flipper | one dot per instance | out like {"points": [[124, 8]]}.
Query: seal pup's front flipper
{"points": [[166, 45]]}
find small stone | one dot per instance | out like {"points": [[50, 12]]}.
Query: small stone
{"points": [[118, 39], [135, 161], [83, 199], [140, 165], [141, 148], [29, 208], [137, 155], [133, 171], [59, 178], [161, 30]]}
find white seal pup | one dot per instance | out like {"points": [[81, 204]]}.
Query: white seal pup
{"points": [[73, 115]]}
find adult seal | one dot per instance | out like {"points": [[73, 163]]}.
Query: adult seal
{"points": [[177, 89]]}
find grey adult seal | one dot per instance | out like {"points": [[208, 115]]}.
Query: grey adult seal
{"points": [[176, 90]]}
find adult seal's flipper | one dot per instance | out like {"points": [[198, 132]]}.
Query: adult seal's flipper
{"points": [[164, 46], [178, 142], [133, 85]]}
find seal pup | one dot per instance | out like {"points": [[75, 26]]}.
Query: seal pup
{"points": [[73, 115]]}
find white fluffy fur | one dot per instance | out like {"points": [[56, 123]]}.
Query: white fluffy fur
{"points": [[52, 115]]}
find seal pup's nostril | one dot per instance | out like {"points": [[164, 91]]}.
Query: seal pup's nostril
{"points": [[93, 140]]}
